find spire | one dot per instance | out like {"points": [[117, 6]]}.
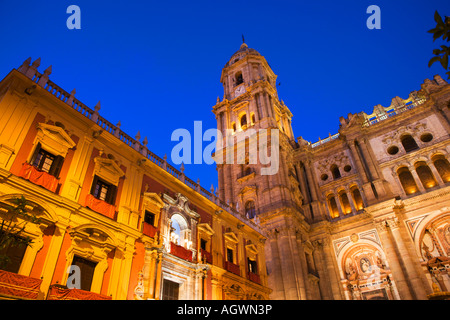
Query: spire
{"points": [[243, 45]]}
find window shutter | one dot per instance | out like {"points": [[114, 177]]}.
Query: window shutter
{"points": [[94, 185], [36, 152], [111, 195]]}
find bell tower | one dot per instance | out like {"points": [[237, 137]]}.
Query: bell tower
{"points": [[254, 122]]}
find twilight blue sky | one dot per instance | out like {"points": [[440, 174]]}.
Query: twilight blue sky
{"points": [[155, 65]]}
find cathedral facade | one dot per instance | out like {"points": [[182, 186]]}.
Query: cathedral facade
{"points": [[363, 214]]}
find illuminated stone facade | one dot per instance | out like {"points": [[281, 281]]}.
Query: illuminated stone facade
{"points": [[362, 214]]}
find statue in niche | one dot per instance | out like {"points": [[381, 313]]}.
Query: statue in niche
{"points": [[427, 254], [447, 238], [380, 263]]}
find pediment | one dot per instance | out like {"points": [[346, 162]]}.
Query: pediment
{"points": [[240, 105], [153, 198], [54, 138], [205, 228], [248, 189], [231, 236], [108, 169], [251, 248]]}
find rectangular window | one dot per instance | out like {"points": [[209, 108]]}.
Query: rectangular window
{"points": [[252, 266], [103, 190], [230, 255], [203, 243], [170, 290], [149, 217], [15, 254], [87, 268], [47, 162]]}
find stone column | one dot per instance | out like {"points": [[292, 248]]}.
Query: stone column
{"points": [[311, 181], [359, 166], [150, 271], [324, 284], [436, 174], [158, 275], [350, 199], [301, 180], [216, 288], [78, 167], [393, 260], [399, 184], [125, 271], [338, 203], [268, 105], [368, 158], [275, 280], [303, 274], [52, 257], [300, 282], [259, 106], [413, 276], [262, 262], [330, 262], [417, 179], [287, 265]]}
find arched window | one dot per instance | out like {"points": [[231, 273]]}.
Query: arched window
{"points": [[407, 180], [335, 171], [250, 210], [332, 205], [179, 233], [425, 175], [244, 122], [357, 199], [409, 144], [345, 204], [239, 79], [442, 166]]}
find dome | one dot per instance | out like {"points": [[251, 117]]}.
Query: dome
{"points": [[242, 52]]}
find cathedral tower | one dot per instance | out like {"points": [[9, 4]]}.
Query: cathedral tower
{"points": [[248, 112]]}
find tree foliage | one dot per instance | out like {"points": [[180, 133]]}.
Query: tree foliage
{"points": [[442, 29], [12, 226]]}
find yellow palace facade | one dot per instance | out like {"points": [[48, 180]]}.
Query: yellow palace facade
{"points": [[135, 227]]}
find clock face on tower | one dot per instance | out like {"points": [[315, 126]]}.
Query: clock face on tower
{"points": [[239, 90]]}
